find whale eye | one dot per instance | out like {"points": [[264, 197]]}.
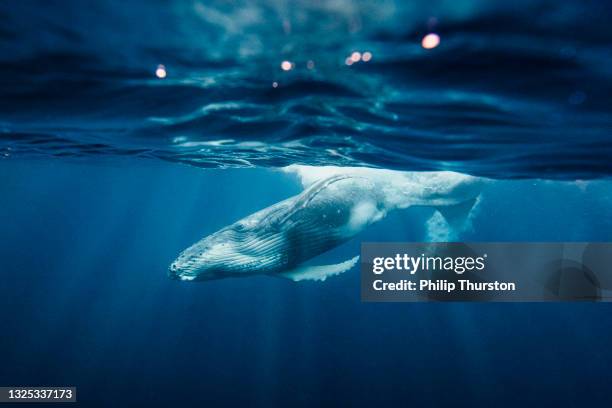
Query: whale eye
{"points": [[239, 227]]}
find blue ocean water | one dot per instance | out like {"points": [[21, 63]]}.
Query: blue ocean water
{"points": [[108, 171], [85, 300]]}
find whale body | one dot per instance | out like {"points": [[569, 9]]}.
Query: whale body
{"points": [[336, 205]]}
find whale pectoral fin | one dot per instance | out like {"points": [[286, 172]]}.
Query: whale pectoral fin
{"points": [[319, 272], [456, 215]]}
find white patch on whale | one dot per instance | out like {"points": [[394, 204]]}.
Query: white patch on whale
{"points": [[402, 189], [364, 214]]}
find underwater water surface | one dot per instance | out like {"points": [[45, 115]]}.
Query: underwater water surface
{"points": [[513, 89], [128, 131]]}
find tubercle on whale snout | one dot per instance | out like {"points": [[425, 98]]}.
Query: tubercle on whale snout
{"points": [[173, 271]]}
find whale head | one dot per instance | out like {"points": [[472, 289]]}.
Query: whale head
{"points": [[206, 259], [236, 250]]}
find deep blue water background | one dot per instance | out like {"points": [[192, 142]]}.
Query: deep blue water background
{"points": [[85, 301], [95, 201]]}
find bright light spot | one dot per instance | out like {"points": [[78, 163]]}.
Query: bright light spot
{"points": [[356, 56], [348, 61], [366, 56], [430, 41], [160, 72], [274, 84], [286, 65], [310, 64]]}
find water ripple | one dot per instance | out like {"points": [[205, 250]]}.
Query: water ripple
{"points": [[519, 90]]}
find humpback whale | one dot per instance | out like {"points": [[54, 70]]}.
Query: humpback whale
{"points": [[336, 204]]}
